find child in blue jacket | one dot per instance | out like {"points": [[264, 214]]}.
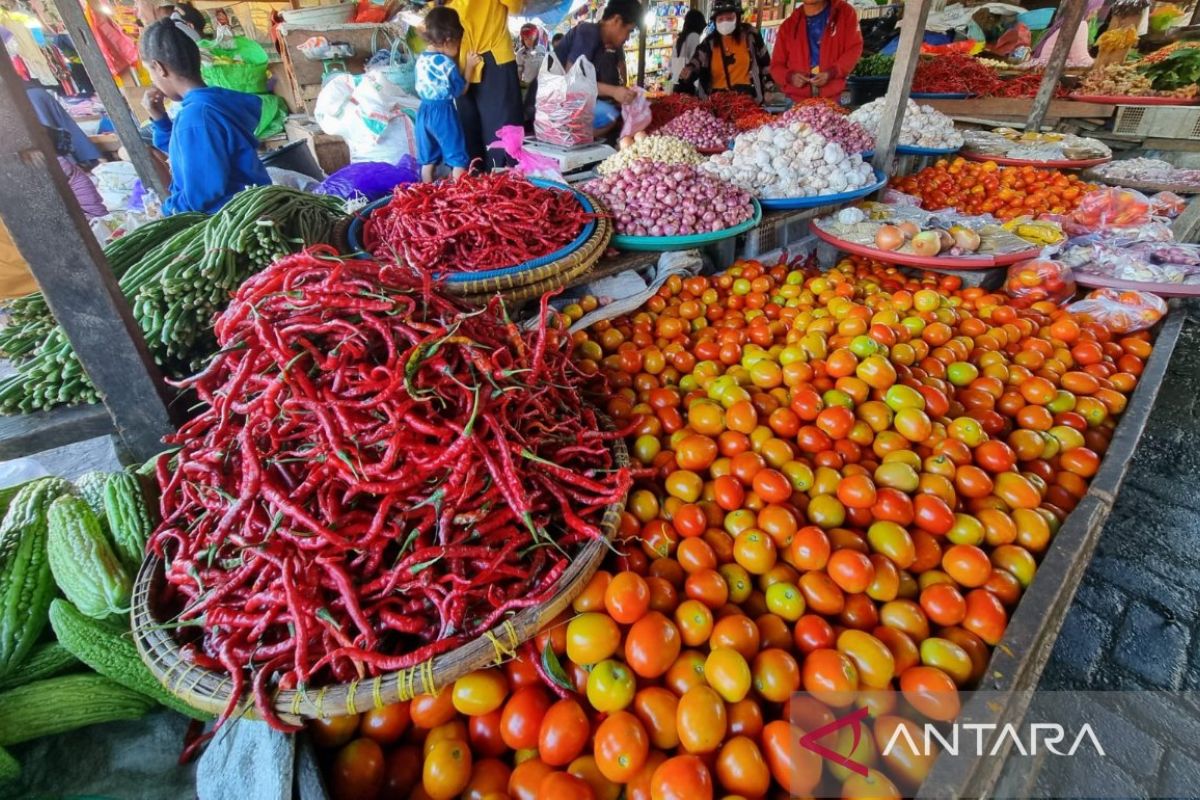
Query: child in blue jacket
{"points": [[440, 136], [211, 143]]}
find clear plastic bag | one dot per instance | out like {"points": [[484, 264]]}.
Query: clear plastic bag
{"points": [[1167, 204], [1037, 280], [635, 115], [1112, 208], [566, 103], [1121, 311]]}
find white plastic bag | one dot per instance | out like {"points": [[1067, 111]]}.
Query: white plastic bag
{"points": [[566, 102], [368, 111]]}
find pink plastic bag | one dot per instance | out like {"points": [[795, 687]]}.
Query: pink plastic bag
{"points": [[512, 139], [635, 114]]}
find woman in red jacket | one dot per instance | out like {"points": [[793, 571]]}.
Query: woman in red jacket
{"points": [[817, 47]]}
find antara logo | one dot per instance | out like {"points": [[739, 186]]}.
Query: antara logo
{"points": [[1044, 735], [1047, 735]]}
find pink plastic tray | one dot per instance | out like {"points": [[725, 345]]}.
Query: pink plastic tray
{"points": [[1161, 289]]}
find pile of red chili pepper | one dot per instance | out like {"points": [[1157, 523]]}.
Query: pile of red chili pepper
{"points": [[668, 107], [1026, 85], [955, 73], [479, 222], [379, 476], [731, 106]]}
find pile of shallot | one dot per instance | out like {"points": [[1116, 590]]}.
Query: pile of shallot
{"points": [[833, 125], [701, 130], [652, 199]]}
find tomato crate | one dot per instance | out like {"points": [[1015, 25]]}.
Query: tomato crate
{"points": [[778, 229]]}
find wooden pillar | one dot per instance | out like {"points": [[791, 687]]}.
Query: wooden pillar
{"points": [[1072, 14], [84, 38], [908, 52], [1195, 14], [53, 236]]}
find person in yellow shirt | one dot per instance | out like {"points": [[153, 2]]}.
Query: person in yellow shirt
{"points": [[493, 97], [15, 278]]}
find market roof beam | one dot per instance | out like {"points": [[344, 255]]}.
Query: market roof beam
{"points": [[53, 236], [114, 101]]}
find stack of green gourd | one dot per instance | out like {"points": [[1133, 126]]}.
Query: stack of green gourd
{"points": [[68, 556], [177, 274]]}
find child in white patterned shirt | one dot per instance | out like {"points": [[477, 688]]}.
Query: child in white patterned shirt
{"points": [[439, 133]]}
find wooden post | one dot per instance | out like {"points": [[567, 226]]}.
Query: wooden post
{"points": [[73, 17], [1072, 14], [1195, 15], [908, 53], [53, 236]]}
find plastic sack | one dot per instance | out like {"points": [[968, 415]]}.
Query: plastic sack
{"points": [[1111, 208], [1167, 204], [370, 179], [395, 62], [339, 113], [1038, 280], [511, 139], [566, 102], [241, 67], [635, 114], [1121, 311]]}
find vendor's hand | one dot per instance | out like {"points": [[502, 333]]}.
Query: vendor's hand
{"points": [[154, 103], [473, 61], [623, 95], [798, 79], [820, 79], [685, 74]]}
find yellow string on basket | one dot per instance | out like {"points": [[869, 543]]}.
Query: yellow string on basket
{"points": [[406, 681], [351, 707], [504, 651], [377, 692]]}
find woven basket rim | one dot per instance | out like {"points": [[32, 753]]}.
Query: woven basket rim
{"points": [[357, 223], [574, 262], [210, 691]]}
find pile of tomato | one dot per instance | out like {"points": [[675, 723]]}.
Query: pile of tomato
{"points": [[847, 480], [987, 188]]}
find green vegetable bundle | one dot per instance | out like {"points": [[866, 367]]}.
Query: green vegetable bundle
{"points": [[1179, 70], [175, 287], [873, 66]]}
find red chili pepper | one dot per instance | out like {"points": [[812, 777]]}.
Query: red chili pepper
{"points": [[375, 464]]}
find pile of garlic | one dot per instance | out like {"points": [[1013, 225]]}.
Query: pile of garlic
{"points": [[924, 126], [791, 161]]}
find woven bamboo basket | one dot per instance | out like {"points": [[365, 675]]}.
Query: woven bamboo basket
{"points": [[209, 690], [532, 291], [535, 273]]}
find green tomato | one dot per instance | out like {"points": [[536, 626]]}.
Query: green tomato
{"points": [[610, 686], [786, 600], [961, 373]]}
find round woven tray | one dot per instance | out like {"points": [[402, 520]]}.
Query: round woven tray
{"points": [[539, 271], [209, 690], [551, 275], [534, 290]]}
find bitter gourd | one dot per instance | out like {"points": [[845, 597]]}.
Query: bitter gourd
{"points": [[61, 704], [84, 564], [44, 661], [129, 519]]}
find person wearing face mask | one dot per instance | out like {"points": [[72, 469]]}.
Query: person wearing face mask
{"points": [[733, 59], [816, 49]]}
